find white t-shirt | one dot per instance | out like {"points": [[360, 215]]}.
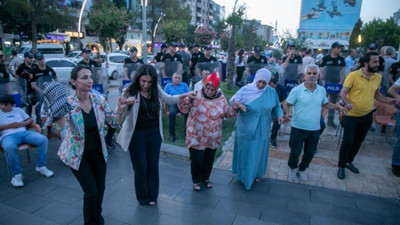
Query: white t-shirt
{"points": [[15, 115], [237, 61], [198, 86], [397, 82], [308, 60]]}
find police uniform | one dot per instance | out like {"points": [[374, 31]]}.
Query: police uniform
{"points": [[130, 65], [170, 70]]}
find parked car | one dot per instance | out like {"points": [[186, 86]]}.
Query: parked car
{"points": [[114, 64], [74, 56], [48, 50], [62, 67]]}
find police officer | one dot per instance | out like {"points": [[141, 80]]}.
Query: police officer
{"points": [[171, 57], [41, 71], [160, 54], [334, 73], [185, 65], [257, 57], [86, 59], [130, 64], [196, 55], [24, 75]]}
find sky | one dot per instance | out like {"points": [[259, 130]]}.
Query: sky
{"points": [[287, 12]]}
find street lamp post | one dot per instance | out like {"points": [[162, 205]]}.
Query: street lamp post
{"points": [[155, 27], [80, 21], [144, 31]]}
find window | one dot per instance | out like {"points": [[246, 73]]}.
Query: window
{"points": [[51, 50], [117, 59]]}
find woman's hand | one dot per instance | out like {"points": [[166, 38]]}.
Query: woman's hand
{"points": [[236, 105], [281, 119], [123, 103], [191, 95]]}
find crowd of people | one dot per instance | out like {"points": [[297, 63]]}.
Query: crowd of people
{"points": [[272, 91]]}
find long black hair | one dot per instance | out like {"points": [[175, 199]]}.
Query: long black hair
{"points": [[134, 88]]}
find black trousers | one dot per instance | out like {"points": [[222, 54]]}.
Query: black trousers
{"points": [[144, 151], [92, 176], [331, 112], [354, 131], [275, 128], [298, 137], [239, 72], [201, 163]]}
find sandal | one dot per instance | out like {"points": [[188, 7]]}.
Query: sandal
{"points": [[257, 180], [152, 203], [208, 183], [196, 187]]}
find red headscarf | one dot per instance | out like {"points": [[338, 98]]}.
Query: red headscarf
{"points": [[213, 79]]}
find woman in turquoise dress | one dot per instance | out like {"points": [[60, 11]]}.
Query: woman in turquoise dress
{"points": [[253, 128]]}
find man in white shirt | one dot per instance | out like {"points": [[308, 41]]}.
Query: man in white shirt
{"points": [[13, 122], [199, 85]]}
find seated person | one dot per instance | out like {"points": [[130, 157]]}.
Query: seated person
{"points": [[177, 87], [13, 122]]}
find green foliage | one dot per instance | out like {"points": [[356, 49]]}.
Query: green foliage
{"points": [[109, 22], [353, 43], [220, 28], [248, 38], [121, 4], [380, 32], [173, 30], [300, 42], [30, 16], [203, 36]]}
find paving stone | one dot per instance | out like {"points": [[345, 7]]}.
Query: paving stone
{"points": [[59, 212], [318, 220], [65, 195], [243, 220], [284, 217], [18, 217], [28, 202], [197, 198]]}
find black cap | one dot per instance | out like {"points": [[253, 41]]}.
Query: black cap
{"points": [[182, 45], [133, 49], [257, 49], [164, 46], [290, 45], [336, 45], [195, 45], [86, 50], [372, 46], [28, 54], [208, 47], [39, 56], [173, 44]]}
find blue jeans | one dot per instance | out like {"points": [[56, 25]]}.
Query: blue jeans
{"points": [[10, 144], [173, 110], [396, 149]]}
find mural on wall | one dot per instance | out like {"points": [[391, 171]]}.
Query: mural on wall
{"points": [[329, 19]]}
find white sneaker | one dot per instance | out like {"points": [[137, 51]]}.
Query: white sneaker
{"points": [[302, 176], [16, 181], [44, 171], [292, 175]]}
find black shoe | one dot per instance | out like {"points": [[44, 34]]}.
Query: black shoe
{"points": [[273, 142], [332, 124], [352, 168], [341, 174], [396, 170], [172, 138], [110, 146]]}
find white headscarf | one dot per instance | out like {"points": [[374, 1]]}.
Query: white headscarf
{"points": [[250, 92]]}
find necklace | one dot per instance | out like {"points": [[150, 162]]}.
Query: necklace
{"points": [[150, 115]]}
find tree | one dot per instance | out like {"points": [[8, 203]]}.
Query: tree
{"points": [[235, 20], [108, 22], [353, 42], [121, 4], [173, 30], [203, 36], [380, 32], [300, 41], [33, 17], [249, 38]]}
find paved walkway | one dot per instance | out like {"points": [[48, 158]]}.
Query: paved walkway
{"points": [[58, 200], [373, 160]]}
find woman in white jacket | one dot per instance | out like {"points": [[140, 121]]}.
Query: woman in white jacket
{"points": [[141, 132]]}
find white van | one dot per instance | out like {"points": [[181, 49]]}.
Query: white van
{"points": [[49, 50]]}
